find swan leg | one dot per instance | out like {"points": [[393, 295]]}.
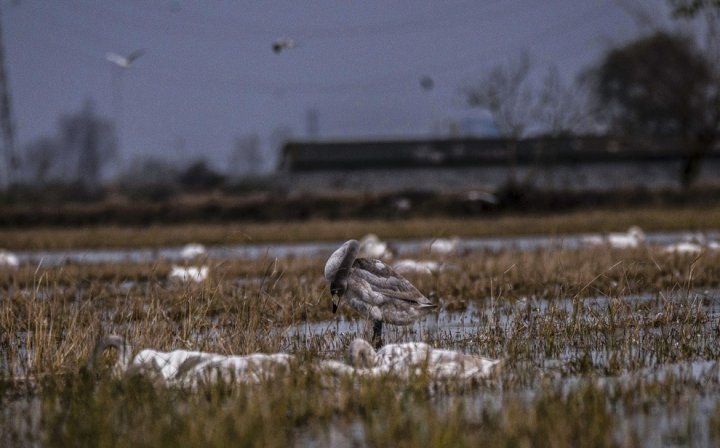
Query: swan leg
{"points": [[377, 334]]}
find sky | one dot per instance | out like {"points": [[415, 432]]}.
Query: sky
{"points": [[209, 75]]}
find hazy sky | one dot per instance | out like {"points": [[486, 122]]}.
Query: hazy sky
{"points": [[209, 74]]}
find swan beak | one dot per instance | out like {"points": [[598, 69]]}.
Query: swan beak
{"points": [[335, 303]]}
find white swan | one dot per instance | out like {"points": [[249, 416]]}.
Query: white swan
{"points": [[444, 246], [188, 368], [372, 247], [373, 288], [617, 240], [408, 266], [411, 359], [193, 250], [415, 358], [683, 247], [628, 240], [8, 259], [189, 274], [124, 61]]}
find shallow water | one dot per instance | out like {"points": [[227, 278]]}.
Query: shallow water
{"points": [[662, 424], [318, 249]]}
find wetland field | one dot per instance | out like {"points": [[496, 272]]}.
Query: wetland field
{"points": [[599, 346]]}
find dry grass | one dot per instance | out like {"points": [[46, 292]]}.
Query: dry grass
{"points": [[568, 325], [601, 220]]}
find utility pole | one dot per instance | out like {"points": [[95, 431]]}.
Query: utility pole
{"points": [[6, 122]]}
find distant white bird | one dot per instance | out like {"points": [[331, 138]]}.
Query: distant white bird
{"points": [[373, 288], [372, 247], [124, 61], [192, 250], [416, 358], [8, 259], [444, 246], [592, 240], [628, 240], [188, 368], [408, 266], [619, 240], [693, 243], [283, 43], [189, 274], [684, 247], [481, 196]]}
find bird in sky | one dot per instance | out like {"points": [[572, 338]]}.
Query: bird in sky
{"points": [[282, 43], [124, 61]]}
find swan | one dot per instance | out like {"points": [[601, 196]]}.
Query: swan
{"points": [[373, 288], [124, 61], [8, 259], [414, 358], [444, 246], [684, 247], [618, 240], [193, 250], [188, 274], [411, 359], [628, 240], [372, 247], [189, 368], [408, 266], [283, 43]]}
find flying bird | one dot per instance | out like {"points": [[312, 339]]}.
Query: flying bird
{"points": [[283, 43], [124, 61], [374, 288]]}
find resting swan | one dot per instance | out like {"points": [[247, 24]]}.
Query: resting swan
{"points": [[191, 368], [412, 359]]}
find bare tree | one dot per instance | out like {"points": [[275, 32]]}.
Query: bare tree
{"points": [[89, 143], [689, 8], [41, 158], [278, 138], [506, 93], [246, 157], [561, 108]]}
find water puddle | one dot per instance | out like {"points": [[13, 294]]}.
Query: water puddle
{"points": [[318, 249]]}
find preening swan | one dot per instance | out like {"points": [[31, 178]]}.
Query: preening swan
{"points": [[373, 288]]}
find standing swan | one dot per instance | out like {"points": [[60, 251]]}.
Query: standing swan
{"points": [[374, 288]]}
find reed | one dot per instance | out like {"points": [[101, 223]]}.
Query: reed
{"points": [[597, 346]]}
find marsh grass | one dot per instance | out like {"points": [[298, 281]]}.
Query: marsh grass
{"points": [[595, 347], [690, 218]]}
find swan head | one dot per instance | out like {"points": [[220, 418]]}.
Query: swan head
{"points": [[362, 355], [337, 269], [637, 233], [114, 341]]}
